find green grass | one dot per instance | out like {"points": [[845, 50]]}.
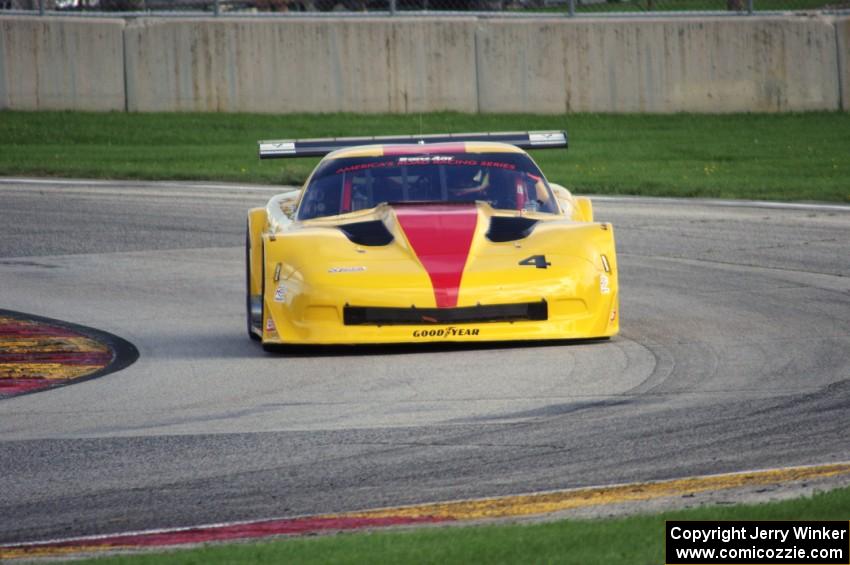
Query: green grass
{"points": [[628, 541], [761, 156]]}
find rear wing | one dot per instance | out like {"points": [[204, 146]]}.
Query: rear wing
{"points": [[288, 148]]}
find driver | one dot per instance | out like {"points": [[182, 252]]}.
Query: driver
{"points": [[468, 183]]}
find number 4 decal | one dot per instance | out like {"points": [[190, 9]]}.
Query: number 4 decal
{"points": [[538, 261]]}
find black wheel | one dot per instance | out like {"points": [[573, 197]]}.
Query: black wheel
{"points": [[250, 315]]}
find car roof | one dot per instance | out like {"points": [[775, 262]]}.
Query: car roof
{"points": [[451, 148]]}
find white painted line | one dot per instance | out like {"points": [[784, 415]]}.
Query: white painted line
{"points": [[140, 183], [154, 531], [726, 203]]}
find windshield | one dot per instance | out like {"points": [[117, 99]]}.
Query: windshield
{"points": [[508, 181]]}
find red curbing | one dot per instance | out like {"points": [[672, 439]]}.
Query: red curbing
{"points": [[214, 533], [457, 511], [100, 358], [40, 353], [19, 328], [9, 387]]}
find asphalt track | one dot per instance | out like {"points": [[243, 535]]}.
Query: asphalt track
{"points": [[734, 355]]}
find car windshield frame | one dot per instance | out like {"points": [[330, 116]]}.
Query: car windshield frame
{"points": [[509, 181]]}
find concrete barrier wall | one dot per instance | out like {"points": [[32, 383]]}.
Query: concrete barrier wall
{"points": [[61, 64], [708, 65], [556, 65], [711, 65], [303, 65], [522, 64], [843, 30]]}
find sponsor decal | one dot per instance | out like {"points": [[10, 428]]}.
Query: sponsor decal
{"points": [[547, 138], [346, 269], [613, 315], [498, 165], [280, 294], [269, 325], [426, 160], [363, 166], [423, 159], [278, 148], [603, 284], [451, 331]]}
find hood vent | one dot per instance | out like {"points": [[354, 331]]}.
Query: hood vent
{"points": [[509, 228], [371, 234]]}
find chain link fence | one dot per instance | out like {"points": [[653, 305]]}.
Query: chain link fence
{"points": [[413, 7]]}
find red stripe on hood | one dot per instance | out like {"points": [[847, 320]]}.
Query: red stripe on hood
{"points": [[441, 236]]}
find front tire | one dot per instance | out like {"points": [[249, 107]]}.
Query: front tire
{"points": [[252, 305]]}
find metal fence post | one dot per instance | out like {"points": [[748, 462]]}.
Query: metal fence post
{"points": [[217, 7], [750, 7], [392, 7], [572, 5], [41, 7]]}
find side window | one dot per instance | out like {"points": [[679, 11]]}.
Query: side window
{"points": [[361, 191], [539, 196], [322, 198], [387, 186], [503, 191]]}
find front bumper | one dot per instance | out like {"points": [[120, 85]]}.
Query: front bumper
{"points": [[323, 324]]}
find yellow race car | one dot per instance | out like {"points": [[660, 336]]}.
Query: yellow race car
{"points": [[427, 238]]}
